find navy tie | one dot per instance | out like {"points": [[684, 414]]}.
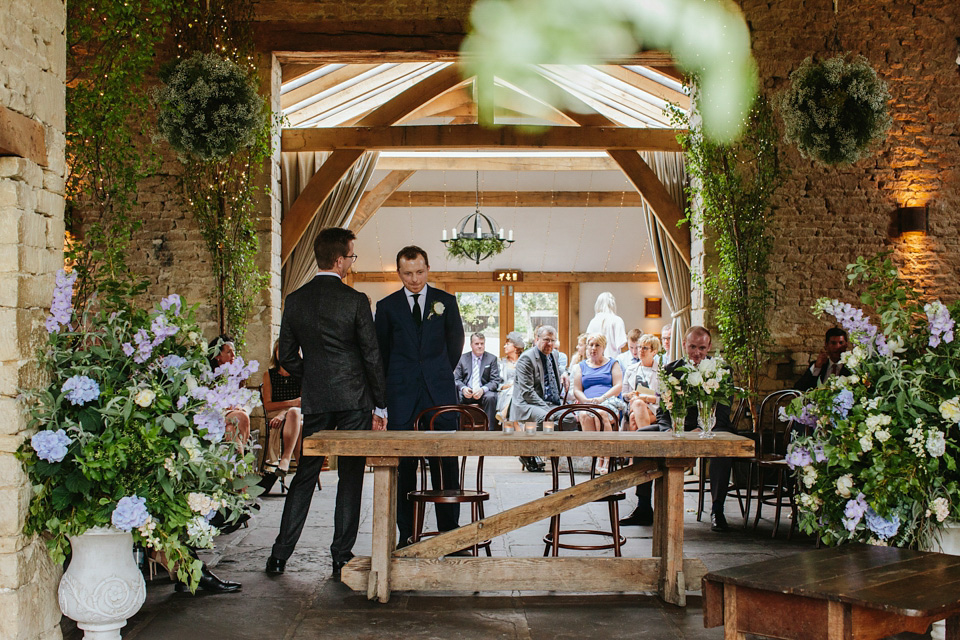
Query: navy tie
{"points": [[417, 313], [550, 394]]}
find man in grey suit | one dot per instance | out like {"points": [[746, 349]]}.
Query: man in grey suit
{"points": [[477, 377], [540, 382], [331, 325]]}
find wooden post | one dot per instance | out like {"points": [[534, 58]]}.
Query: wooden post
{"points": [[835, 620], [384, 528], [673, 588], [730, 631]]}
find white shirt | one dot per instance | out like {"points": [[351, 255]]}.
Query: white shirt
{"points": [[627, 360], [422, 299], [833, 369], [329, 273], [611, 327]]}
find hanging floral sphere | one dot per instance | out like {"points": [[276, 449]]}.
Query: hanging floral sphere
{"points": [[835, 110], [209, 107]]}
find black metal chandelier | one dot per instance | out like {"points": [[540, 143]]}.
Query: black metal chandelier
{"points": [[477, 236]]}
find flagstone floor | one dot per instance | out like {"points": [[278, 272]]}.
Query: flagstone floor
{"points": [[304, 603]]}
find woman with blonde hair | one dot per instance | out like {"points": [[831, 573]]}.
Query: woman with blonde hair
{"points": [[607, 323]]}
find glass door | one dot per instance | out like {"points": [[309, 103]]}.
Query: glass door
{"points": [[480, 312]]}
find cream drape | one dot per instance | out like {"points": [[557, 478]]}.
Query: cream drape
{"points": [[337, 210], [672, 271]]}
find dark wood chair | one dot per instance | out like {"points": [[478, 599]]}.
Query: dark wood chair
{"points": [[471, 418], [737, 415], [773, 436], [552, 539]]}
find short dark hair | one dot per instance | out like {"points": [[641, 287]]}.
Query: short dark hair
{"points": [[412, 252], [834, 332], [332, 243]]}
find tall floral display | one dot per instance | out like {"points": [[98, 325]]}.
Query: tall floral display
{"points": [[879, 463], [130, 431]]}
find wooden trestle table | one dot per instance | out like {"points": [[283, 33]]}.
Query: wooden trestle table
{"points": [[423, 566]]}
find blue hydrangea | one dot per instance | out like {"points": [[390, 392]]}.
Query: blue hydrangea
{"points": [[171, 302], [884, 529], [798, 457], [211, 420], [61, 309], [173, 361], [162, 329], [854, 511], [843, 402], [131, 512], [51, 445], [81, 389]]}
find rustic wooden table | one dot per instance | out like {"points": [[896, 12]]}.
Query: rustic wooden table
{"points": [[424, 566], [853, 591]]}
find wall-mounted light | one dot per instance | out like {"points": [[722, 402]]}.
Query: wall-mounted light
{"points": [[910, 220]]}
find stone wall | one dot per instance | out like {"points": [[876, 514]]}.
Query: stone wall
{"points": [[826, 217], [32, 72]]}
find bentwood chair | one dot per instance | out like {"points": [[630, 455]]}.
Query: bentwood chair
{"points": [[471, 418], [769, 461], [552, 539], [737, 415]]}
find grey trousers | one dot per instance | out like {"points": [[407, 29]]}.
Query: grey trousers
{"points": [[346, 515]]}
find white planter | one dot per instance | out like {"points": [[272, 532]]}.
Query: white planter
{"points": [[949, 542], [102, 586]]}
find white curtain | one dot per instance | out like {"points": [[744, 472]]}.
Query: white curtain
{"points": [[336, 211], [672, 271]]}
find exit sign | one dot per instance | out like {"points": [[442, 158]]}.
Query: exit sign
{"points": [[508, 275]]}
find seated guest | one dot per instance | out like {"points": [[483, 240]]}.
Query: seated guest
{"points": [[696, 345], [598, 380], [238, 418], [281, 402], [538, 386], [827, 363], [512, 349], [631, 356], [642, 376], [477, 377], [665, 333], [577, 358]]}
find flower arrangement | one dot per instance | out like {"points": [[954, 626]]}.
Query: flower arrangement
{"points": [[475, 249], [835, 109], [879, 462], [130, 430], [209, 107], [704, 386]]}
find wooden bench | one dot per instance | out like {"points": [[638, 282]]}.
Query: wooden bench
{"points": [[853, 591]]}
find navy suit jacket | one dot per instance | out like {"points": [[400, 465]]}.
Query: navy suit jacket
{"points": [[410, 355]]}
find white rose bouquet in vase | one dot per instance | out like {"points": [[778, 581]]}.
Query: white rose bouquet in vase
{"points": [[702, 386]]}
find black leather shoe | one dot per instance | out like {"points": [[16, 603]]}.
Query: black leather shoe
{"points": [[209, 583], [463, 553], [338, 567], [718, 522], [275, 566], [639, 518]]}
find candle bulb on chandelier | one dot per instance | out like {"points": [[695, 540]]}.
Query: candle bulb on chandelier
{"points": [[479, 232], [500, 235], [444, 235], [454, 232], [510, 237]]}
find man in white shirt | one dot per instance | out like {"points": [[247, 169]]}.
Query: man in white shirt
{"points": [[631, 357], [828, 361], [477, 377]]}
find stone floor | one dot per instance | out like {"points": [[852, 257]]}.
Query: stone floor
{"points": [[305, 603]]}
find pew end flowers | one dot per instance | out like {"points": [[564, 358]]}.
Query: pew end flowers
{"points": [[878, 460], [130, 432]]}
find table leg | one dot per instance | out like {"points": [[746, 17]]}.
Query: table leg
{"points": [[673, 588], [730, 631], [384, 526]]}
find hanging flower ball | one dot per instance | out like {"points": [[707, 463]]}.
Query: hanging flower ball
{"points": [[209, 107], [835, 110]]}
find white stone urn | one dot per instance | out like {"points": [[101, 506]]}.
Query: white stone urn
{"points": [[102, 587]]}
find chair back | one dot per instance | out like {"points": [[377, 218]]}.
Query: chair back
{"points": [[469, 418], [741, 404], [773, 434], [557, 415]]}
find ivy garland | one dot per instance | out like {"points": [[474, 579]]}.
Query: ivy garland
{"points": [[835, 110], [211, 113], [734, 185], [464, 249]]}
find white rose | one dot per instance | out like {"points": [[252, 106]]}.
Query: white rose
{"points": [[438, 308], [191, 382], [711, 385], [694, 379], [195, 337], [707, 365], [950, 410], [896, 344], [145, 397], [882, 435], [844, 484], [866, 443], [809, 476]]}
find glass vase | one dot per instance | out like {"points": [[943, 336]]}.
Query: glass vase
{"points": [[707, 418]]}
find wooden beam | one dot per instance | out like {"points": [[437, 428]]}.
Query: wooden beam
{"points": [[669, 70], [373, 199], [481, 163], [568, 574], [661, 202], [323, 83], [498, 524], [22, 136], [303, 210], [514, 199], [477, 137], [452, 99], [538, 277], [646, 84], [291, 72]]}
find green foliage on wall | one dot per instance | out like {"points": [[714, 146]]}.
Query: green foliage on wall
{"points": [[732, 189]]}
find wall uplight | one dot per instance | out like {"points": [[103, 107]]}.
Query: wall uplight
{"points": [[910, 220]]}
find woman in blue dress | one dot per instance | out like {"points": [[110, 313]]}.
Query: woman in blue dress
{"points": [[598, 380]]}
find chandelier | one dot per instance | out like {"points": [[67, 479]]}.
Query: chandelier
{"points": [[477, 236]]}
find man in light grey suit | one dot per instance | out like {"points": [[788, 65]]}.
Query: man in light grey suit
{"points": [[540, 381], [477, 377]]}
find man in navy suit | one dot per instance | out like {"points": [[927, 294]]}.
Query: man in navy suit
{"points": [[421, 338], [477, 377]]}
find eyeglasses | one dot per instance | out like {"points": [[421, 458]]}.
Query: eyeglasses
{"points": [[353, 257], [646, 348]]}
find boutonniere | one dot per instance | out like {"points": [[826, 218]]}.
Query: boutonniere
{"points": [[436, 309]]}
